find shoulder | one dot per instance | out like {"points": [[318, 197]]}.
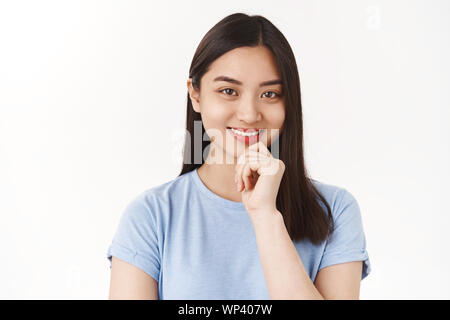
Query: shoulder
{"points": [[337, 197], [155, 199], [347, 242]]}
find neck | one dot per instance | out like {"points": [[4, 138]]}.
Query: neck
{"points": [[219, 177]]}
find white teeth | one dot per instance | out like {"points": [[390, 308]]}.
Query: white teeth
{"points": [[245, 134]]}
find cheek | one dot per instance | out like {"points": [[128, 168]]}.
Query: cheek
{"points": [[275, 119], [275, 116], [215, 114]]}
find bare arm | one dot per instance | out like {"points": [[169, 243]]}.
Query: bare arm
{"points": [[131, 283], [341, 281], [285, 275]]}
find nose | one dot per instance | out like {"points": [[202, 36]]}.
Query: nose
{"points": [[248, 112]]}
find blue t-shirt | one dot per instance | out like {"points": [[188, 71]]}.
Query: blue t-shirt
{"points": [[198, 245]]}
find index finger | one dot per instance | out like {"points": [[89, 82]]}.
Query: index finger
{"points": [[260, 147]]}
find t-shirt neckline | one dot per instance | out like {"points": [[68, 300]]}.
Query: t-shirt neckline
{"points": [[214, 197]]}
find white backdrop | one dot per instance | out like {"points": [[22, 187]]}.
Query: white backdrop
{"points": [[93, 98]]}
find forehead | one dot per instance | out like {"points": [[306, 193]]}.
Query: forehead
{"points": [[250, 65]]}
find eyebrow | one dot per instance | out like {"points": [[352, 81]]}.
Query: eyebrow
{"points": [[262, 84]]}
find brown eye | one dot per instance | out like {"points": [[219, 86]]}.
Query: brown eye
{"points": [[275, 94], [228, 91]]}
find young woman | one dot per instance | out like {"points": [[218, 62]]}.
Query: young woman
{"points": [[240, 222]]}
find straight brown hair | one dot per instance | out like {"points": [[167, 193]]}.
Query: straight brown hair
{"points": [[297, 198]]}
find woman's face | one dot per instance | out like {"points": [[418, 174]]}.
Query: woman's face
{"points": [[234, 93]]}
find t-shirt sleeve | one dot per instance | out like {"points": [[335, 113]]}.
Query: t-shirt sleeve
{"points": [[136, 238], [348, 242]]}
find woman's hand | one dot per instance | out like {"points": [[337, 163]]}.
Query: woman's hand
{"points": [[258, 177]]}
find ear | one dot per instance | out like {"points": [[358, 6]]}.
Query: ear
{"points": [[194, 96]]}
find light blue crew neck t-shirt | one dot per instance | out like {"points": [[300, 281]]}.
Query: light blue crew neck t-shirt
{"points": [[198, 245]]}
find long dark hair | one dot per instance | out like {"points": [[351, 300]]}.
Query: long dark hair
{"points": [[297, 198]]}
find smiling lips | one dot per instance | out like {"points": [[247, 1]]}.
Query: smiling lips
{"points": [[246, 135], [245, 129]]}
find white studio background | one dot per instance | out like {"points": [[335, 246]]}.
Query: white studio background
{"points": [[93, 105]]}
